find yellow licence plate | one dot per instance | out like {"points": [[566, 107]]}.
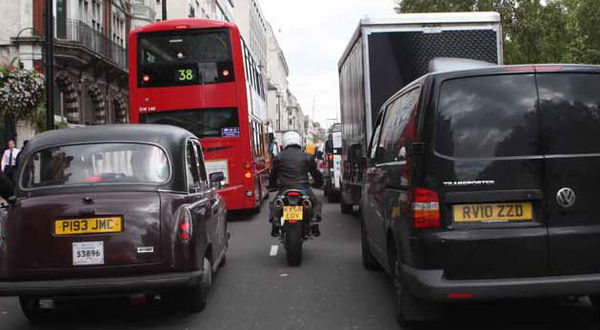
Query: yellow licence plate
{"points": [[88, 226], [496, 212], [292, 213]]}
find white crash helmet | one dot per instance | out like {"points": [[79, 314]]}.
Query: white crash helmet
{"points": [[291, 138]]}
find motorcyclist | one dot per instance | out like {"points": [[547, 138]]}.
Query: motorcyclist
{"points": [[290, 171]]}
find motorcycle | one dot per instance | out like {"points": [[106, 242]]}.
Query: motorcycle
{"points": [[295, 211]]}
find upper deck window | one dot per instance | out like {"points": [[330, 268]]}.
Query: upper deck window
{"points": [[183, 58]]}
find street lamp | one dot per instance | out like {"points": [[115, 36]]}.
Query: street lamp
{"points": [[49, 58]]}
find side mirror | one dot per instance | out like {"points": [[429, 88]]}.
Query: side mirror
{"points": [[11, 200], [416, 149], [216, 179]]}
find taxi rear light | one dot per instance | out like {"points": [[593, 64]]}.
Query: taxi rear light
{"points": [[426, 209], [185, 225], [459, 295]]}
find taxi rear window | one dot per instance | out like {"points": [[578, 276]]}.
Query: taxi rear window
{"points": [[98, 163], [488, 116]]}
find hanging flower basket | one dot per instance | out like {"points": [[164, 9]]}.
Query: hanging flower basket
{"points": [[21, 92]]}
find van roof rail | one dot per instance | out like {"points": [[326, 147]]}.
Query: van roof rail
{"points": [[442, 64]]}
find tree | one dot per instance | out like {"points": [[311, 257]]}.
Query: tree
{"points": [[534, 31]]}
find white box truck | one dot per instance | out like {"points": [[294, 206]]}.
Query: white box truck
{"points": [[384, 55]]}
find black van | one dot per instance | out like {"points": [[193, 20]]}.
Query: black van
{"points": [[485, 184]]}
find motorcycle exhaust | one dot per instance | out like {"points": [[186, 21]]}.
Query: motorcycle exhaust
{"points": [[306, 203], [278, 203]]}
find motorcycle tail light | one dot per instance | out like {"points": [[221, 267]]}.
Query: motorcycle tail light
{"points": [[293, 194], [185, 225], [426, 209]]}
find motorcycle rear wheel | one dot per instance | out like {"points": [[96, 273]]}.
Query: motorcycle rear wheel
{"points": [[293, 244]]}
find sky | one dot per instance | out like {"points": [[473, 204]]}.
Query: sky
{"points": [[313, 34]]}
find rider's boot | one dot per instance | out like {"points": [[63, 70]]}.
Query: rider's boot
{"points": [[274, 229]]}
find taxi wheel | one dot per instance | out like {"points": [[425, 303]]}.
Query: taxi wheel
{"points": [[32, 311], [197, 298], [595, 299]]}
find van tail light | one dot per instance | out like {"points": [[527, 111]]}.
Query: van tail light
{"points": [[185, 225], [330, 160], [426, 209]]}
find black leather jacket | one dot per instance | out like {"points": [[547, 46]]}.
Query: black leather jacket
{"points": [[291, 168]]}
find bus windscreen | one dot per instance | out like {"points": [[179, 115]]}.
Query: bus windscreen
{"points": [[184, 58]]}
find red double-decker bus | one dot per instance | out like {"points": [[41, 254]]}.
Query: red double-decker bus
{"points": [[198, 74]]}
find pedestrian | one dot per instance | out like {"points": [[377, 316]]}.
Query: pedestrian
{"points": [[9, 161]]}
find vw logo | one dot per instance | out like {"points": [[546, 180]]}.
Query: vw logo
{"points": [[566, 197]]}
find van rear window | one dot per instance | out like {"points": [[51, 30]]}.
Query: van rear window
{"points": [[488, 116], [570, 107]]}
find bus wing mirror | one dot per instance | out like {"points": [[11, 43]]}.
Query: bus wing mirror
{"points": [[416, 149]]}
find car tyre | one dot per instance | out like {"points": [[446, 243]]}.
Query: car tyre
{"points": [[32, 311], [197, 297], [223, 261], [368, 260], [333, 197], [409, 310], [346, 208], [595, 299]]}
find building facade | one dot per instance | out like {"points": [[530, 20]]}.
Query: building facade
{"points": [[90, 62], [143, 12], [221, 10]]}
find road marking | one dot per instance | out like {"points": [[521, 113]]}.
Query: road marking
{"points": [[274, 249]]}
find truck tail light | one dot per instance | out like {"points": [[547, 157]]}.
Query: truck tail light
{"points": [[426, 209], [185, 225]]}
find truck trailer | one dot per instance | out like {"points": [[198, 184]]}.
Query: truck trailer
{"points": [[384, 55]]}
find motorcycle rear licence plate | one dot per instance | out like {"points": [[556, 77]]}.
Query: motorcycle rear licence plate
{"points": [[88, 253], [292, 213]]}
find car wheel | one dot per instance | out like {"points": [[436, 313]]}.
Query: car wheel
{"points": [[223, 261], [197, 297], [32, 311], [346, 208], [368, 260], [595, 299], [409, 310]]}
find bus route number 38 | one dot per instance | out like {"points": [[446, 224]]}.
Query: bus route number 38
{"points": [[185, 75]]}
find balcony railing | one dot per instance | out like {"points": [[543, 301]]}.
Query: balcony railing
{"points": [[76, 31]]}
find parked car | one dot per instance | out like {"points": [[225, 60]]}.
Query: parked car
{"points": [[119, 209], [483, 184]]}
